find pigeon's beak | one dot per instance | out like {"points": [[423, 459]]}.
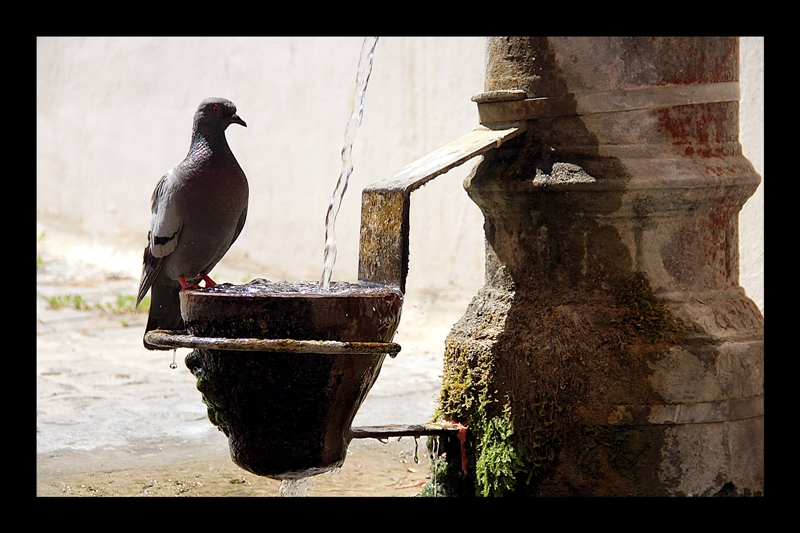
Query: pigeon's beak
{"points": [[238, 120]]}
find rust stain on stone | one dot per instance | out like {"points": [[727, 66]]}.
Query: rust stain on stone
{"points": [[703, 130]]}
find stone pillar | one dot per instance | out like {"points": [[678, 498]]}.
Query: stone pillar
{"points": [[611, 350]]}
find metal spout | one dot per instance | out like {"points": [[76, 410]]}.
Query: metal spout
{"points": [[385, 205]]}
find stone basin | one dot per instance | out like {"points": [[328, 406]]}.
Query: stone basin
{"points": [[288, 414]]}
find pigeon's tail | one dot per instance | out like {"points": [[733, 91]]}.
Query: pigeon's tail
{"points": [[165, 309]]}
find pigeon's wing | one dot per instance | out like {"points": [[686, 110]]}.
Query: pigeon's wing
{"points": [[166, 222], [239, 226], [165, 226]]}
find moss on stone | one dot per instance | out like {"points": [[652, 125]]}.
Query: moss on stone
{"points": [[517, 382], [644, 314], [501, 457], [467, 396]]}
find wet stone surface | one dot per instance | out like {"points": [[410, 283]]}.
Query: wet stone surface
{"points": [[261, 286], [350, 312]]}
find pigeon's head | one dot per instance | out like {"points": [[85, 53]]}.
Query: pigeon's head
{"points": [[217, 113]]}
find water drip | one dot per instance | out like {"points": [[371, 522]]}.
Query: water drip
{"points": [[434, 457]]}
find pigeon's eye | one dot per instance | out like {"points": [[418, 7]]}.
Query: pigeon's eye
{"points": [[216, 110]]}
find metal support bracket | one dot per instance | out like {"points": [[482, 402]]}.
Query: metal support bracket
{"points": [[171, 339], [402, 430], [457, 432]]}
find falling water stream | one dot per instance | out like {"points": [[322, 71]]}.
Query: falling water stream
{"points": [[298, 487], [293, 487], [362, 79]]}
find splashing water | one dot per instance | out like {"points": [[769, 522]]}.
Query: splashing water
{"points": [[362, 79], [293, 487]]}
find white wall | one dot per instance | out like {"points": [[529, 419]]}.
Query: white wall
{"points": [[751, 135], [113, 114]]}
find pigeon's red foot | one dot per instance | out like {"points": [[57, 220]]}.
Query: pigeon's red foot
{"points": [[209, 282], [185, 285]]}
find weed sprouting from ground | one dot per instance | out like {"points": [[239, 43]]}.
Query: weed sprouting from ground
{"points": [[75, 301], [123, 306]]}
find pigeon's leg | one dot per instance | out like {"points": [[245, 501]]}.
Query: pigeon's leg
{"points": [[209, 282], [185, 285]]}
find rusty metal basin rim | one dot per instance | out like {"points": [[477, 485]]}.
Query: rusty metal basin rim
{"points": [[172, 339]]}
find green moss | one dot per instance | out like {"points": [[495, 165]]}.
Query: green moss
{"points": [[518, 393], [465, 385], [467, 396], [644, 314], [499, 461]]}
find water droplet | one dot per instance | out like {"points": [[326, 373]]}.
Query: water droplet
{"points": [[173, 365], [416, 448]]}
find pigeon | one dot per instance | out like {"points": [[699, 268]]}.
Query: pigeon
{"points": [[198, 210]]}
